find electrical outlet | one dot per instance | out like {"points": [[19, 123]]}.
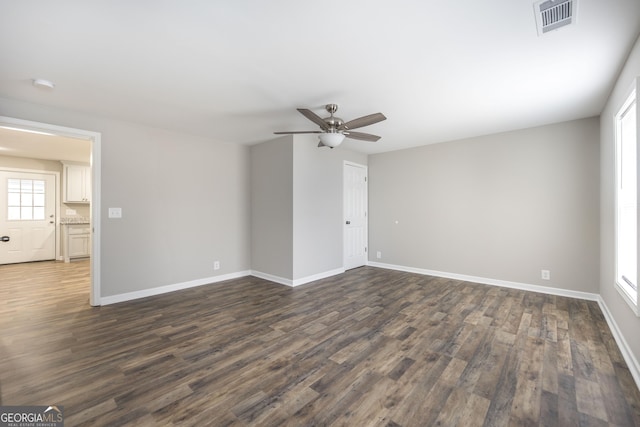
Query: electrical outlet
{"points": [[115, 212], [379, 255], [545, 274], [216, 265]]}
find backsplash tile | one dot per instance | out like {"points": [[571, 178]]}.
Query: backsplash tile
{"points": [[75, 220]]}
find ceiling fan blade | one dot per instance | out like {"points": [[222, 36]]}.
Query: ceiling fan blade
{"points": [[297, 131], [314, 118], [362, 136], [364, 121]]}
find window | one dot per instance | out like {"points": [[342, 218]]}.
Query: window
{"points": [[25, 199], [627, 201]]}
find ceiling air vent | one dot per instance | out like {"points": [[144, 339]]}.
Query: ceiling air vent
{"points": [[554, 14]]}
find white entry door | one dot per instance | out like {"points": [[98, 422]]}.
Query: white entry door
{"points": [[355, 215], [27, 217]]}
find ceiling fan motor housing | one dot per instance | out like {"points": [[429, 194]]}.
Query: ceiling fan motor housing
{"points": [[333, 122]]}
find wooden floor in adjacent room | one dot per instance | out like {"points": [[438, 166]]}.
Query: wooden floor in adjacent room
{"points": [[368, 347]]}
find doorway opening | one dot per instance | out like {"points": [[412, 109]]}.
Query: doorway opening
{"points": [[31, 137]]}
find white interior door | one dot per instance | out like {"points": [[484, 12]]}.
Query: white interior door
{"points": [[27, 217], [355, 215]]}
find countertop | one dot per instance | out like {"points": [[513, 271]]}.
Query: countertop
{"points": [[74, 220]]}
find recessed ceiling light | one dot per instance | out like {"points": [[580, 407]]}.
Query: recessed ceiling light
{"points": [[47, 84]]}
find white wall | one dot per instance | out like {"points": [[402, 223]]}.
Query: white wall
{"points": [[34, 164], [185, 201], [626, 320], [499, 207], [296, 208], [318, 206], [272, 207]]}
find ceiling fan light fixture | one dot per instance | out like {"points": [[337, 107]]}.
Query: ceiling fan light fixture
{"points": [[331, 139]]}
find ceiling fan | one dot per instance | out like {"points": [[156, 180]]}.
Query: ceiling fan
{"points": [[334, 130]]}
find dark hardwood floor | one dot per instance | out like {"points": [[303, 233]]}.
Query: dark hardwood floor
{"points": [[369, 347]]}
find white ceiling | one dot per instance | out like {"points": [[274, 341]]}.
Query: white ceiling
{"points": [[237, 70]]}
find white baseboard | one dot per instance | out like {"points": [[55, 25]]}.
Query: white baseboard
{"points": [[272, 278], [113, 299], [129, 296], [314, 277], [627, 354], [297, 282], [493, 282]]}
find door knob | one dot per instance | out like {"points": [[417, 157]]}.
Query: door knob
{"points": [[5, 238]]}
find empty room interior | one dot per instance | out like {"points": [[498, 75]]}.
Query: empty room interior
{"points": [[330, 213]]}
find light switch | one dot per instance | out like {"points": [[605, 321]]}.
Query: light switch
{"points": [[115, 212]]}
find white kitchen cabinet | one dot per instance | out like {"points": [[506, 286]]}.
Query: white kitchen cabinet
{"points": [[77, 241], [76, 183]]}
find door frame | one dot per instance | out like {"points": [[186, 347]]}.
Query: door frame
{"points": [[95, 162], [56, 252], [346, 163]]}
